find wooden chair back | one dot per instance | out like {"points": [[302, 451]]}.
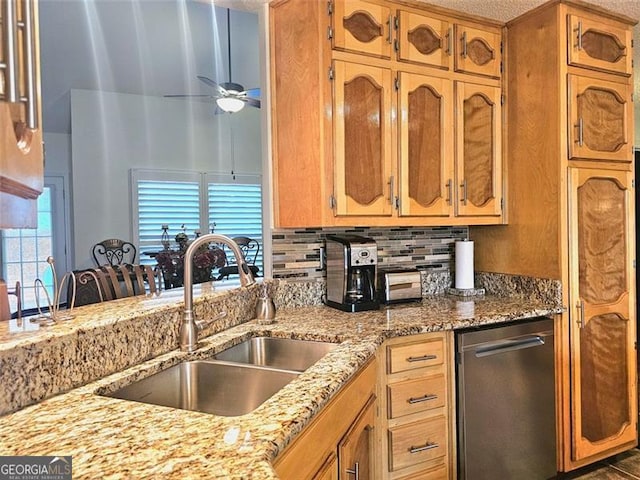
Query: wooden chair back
{"points": [[110, 282]]}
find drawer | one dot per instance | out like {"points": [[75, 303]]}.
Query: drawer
{"points": [[418, 395], [417, 442], [425, 353], [439, 473]]}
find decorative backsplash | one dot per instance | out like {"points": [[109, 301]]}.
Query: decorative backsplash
{"points": [[296, 253]]}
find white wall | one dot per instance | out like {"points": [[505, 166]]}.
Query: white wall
{"points": [[113, 133]]}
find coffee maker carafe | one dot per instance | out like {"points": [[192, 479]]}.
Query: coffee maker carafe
{"points": [[351, 273]]}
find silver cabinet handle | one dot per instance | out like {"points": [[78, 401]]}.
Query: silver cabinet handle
{"points": [[424, 398], [426, 446], [580, 127], [580, 305], [29, 49], [579, 30], [10, 31], [422, 358], [390, 37], [449, 191], [449, 40], [463, 186], [391, 188], [354, 471], [463, 40]]}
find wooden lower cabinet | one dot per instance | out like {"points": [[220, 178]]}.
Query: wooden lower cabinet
{"points": [[417, 415], [340, 440]]}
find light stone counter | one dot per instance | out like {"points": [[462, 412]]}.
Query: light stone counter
{"points": [[112, 438]]}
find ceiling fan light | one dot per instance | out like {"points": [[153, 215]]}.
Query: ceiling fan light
{"points": [[230, 104]]}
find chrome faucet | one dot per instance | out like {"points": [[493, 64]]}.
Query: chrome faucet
{"points": [[190, 326]]}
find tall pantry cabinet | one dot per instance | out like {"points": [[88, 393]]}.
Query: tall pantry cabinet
{"points": [[21, 152], [570, 207]]}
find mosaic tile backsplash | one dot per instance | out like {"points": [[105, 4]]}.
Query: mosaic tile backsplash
{"points": [[296, 253]]}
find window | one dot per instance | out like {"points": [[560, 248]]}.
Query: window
{"points": [[229, 204], [24, 252]]}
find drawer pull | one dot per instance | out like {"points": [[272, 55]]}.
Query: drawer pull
{"points": [[424, 398], [426, 446], [422, 358]]}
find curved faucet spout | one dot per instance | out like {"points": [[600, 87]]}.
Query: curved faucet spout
{"points": [[189, 328]]}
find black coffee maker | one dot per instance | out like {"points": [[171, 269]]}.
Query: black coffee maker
{"points": [[352, 261]]}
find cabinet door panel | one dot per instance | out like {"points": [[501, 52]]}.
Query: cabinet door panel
{"points": [[362, 27], [478, 156], [595, 44], [477, 51], [603, 354], [363, 154], [600, 113], [425, 40], [21, 152], [426, 146], [355, 450]]}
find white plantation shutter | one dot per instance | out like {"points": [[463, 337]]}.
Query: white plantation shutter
{"points": [[235, 206], [232, 202]]}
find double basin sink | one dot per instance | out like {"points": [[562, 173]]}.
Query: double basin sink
{"points": [[233, 382]]}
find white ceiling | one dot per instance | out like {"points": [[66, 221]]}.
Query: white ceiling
{"points": [[142, 47]]}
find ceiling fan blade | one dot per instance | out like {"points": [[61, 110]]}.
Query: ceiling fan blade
{"points": [[185, 96], [252, 92], [254, 102], [212, 84]]}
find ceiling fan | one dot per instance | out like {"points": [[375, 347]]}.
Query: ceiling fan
{"points": [[229, 96]]}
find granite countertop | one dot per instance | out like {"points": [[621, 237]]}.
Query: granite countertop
{"points": [[112, 438]]}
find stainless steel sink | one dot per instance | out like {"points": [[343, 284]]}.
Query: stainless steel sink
{"points": [[280, 353], [209, 387]]}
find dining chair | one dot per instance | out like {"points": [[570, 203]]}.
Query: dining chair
{"points": [[110, 282], [250, 248], [113, 251]]}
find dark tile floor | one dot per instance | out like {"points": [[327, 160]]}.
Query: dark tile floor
{"points": [[624, 466]]}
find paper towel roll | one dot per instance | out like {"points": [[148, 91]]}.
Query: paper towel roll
{"points": [[464, 264]]}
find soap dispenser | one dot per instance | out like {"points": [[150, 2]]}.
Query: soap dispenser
{"points": [[265, 308]]}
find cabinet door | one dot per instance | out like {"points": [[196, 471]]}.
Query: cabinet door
{"points": [[21, 154], [598, 45], [477, 51], [425, 40], [362, 139], [478, 150], [426, 146], [603, 323], [329, 469], [362, 27], [355, 450], [600, 115]]}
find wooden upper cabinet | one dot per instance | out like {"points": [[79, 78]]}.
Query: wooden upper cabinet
{"points": [[478, 152], [425, 40], [362, 27], [478, 51], [602, 303], [426, 145], [599, 45], [362, 139], [599, 115], [21, 152]]}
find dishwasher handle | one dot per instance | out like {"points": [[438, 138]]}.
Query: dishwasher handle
{"points": [[509, 346]]}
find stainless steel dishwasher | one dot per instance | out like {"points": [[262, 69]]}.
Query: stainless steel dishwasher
{"points": [[506, 402]]}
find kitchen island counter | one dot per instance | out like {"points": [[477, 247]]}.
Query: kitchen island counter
{"points": [[112, 438]]}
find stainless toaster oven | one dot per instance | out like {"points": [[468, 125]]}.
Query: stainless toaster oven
{"points": [[400, 286]]}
